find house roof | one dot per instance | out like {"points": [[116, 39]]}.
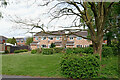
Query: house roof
{"points": [[60, 33], [2, 37]]}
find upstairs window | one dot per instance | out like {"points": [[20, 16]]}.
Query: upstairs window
{"points": [[36, 38], [57, 38], [71, 38], [21, 41], [79, 38], [43, 38], [50, 38]]}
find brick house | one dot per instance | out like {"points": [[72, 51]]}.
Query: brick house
{"points": [[20, 41], [2, 43], [41, 39]]}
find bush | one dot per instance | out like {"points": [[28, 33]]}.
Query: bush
{"points": [[88, 50], [76, 66], [48, 51], [39, 50], [58, 50], [69, 50], [33, 51], [107, 51], [78, 50], [6, 52], [52, 45], [21, 50]]}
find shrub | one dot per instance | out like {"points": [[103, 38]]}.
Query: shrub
{"points": [[69, 50], [52, 45], [39, 50], [6, 51], [47, 51], [88, 50], [21, 50], [107, 51], [76, 66], [33, 51], [58, 50], [78, 50]]}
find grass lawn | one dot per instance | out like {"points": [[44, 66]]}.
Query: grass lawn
{"points": [[48, 65], [31, 65]]}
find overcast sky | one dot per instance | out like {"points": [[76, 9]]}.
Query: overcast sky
{"points": [[27, 10]]}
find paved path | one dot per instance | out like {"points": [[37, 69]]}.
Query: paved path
{"points": [[14, 76]]}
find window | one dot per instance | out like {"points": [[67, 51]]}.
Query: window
{"points": [[79, 46], [21, 41], [79, 38], [43, 46], [71, 38], [50, 38], [36, 38], [43, 38], [57, 38], [17, 41]]}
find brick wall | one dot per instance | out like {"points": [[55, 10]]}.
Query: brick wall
{"points": [[48, 42]]}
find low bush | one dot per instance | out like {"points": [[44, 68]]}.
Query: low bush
{"points": [[58, 50], [21, 50], [69, 50], [6, 52], [48, 51], [80, 66], [107, 51], [39, 50], [88, 50], [115, 50], [34, 51], [78, 50]]}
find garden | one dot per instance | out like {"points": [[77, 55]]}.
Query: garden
{"points": [[63, 63]]}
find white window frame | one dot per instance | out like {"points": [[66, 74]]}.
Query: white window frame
{"points": [[36, 38], [57, 38], [79, 38], [43, 38]]}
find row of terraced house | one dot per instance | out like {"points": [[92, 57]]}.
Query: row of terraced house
{"points": [[44, 40]]}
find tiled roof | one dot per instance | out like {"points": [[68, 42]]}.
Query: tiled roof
{"points": [[60, 32]]}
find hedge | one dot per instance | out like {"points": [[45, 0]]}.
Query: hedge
{"points": [[107, 51], [48, 51], [34, 51], [21, 50], [58, 50], [86, 50], [76, 66]]}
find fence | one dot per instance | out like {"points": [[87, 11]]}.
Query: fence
{"points": [[13, 48]]}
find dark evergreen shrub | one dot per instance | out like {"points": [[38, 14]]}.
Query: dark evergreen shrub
{"points": [[88, 50], [58, 50], [48, 51], [69, 50], [107, 51], [80, 65], [6, 52], [78, 50]]}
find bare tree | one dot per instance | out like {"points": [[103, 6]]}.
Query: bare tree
{"points": [[82, 12]]}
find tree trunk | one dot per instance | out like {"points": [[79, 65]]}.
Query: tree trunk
{"points": [[97, 47]]}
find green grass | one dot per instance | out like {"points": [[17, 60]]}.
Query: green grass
{"points": [[48, 65], [109, 68], [31, 64]]}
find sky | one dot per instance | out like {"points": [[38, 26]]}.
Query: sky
{"points": [[30, 10]]}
